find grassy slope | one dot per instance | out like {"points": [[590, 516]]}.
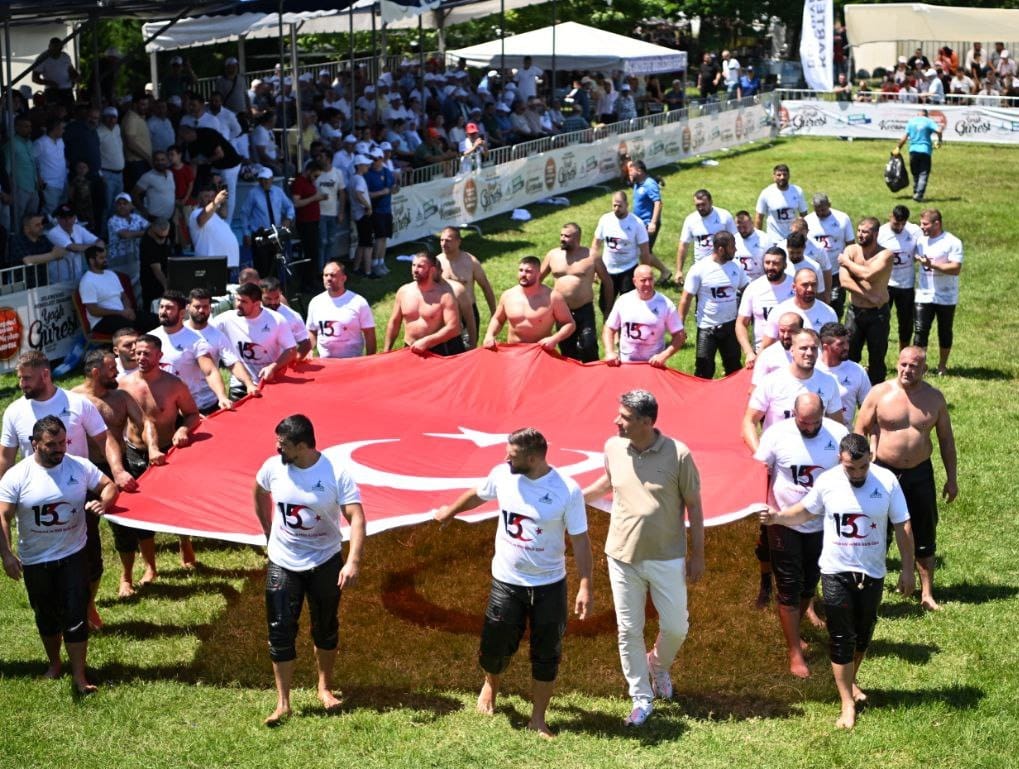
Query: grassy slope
{"points": [[187, 681]]}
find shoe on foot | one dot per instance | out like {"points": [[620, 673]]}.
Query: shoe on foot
{"points": [[661, 681], [640, 713]]}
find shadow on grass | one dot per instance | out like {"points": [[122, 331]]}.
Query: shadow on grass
{"points": [[982, 373], [665, 725], [384, 699], [917, 654], [958, 697], [141, 630], [174, 591], [965, 592]]}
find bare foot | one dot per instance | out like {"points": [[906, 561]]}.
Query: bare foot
{"points": [[95, 622], [187, 554], [541, 729], [53, 672], [486, 700], [848, 718], [126, 589], [929, 603], [330, 701], [798, 666], [804, 646], [812, 617], [859, 696], [763, 599], [278, 716], [84, 688], [148, 577], [189, 565]]}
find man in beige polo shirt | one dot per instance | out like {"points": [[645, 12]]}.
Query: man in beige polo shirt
{"points": [[655, 490]]}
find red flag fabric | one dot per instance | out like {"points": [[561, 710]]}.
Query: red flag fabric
{"points": [[418, 430]]}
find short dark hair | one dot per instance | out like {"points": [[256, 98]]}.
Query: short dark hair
{"points": [[900, 213], [199, 293], [250, 290], [831, 331], [172, 295], [531, 261], [529, 441], [268, 284], [432, 258], [703, 194], [780, 167], [33, 359], [297, 428], [120, 333], [855, 445], [723, 238], [778, 250], [796, 240], [152, 339], [92, 251], [95, 359], [50, 424]]}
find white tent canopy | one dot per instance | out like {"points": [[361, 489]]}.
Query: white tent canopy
{"points": [[576, 47], [867, 24], [209, 30]]}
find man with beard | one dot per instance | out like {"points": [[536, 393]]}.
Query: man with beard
{"points": [[901, 237], [854, 386], [864, 269], [272, 298], [759, 299], [116, 408], [715, 282], [796, 247], [624, 240], [655, 489], [199, 310], [939, 253], [639, 321], [464, 268], [796, 451], [779, 203], [261, 338], [647, 199], [899, 416], [751, 245], [831, 231], [106, 303], [81, 420], [187, 356], [539, 508], [700, 228], [772, 400], [532, 309], [859, 502], [46, 493], [299, 498], [574, 270], [804, 302], [340, 322], [429, 309]]}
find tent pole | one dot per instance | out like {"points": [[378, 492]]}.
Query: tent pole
{"points": [[554, 22], [421, 61], [283, 103], [93, 20], [502, 37], [15, 227], [297, 98], [154, 74], [440, 28], [350, 92], [242, 60], [374, 59]]}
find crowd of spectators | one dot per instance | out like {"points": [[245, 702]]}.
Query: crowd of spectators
{"points": [[980, 77]]}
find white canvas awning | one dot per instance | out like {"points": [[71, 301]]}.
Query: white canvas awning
{"points": [[577, 46], [894, 22]]}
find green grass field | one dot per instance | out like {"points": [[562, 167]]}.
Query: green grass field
{"points": [[185, 676]]}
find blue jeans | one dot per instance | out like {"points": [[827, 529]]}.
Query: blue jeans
{"points": [[920, 167], [328, 228]]}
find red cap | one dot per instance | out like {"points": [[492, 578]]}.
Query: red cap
{"points": [[472, 128]]}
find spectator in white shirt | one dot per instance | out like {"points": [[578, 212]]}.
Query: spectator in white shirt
{"points": [[48, 150]]}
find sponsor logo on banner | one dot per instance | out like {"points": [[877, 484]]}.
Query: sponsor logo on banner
{"points": [[658, 148], [858, 119], [401, 217], [622, 150], [607, 165], [698, 137], [972, 123], [672, 148], [568, 168], [491, 194], [738, 127], [515, 185], [550, 172], [589, 166], [11, 331], [533, 185], [809, 118], [428, 208], [686, 139], [939, 117], [450, 209], [783, 117], [54, 320], [470, 196], [898, 126]]}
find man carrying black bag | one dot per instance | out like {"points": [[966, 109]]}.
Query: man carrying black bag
{"points": [[896, 176], [920, 131]]}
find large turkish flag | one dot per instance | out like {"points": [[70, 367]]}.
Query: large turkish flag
{"points": [[417, 430]]}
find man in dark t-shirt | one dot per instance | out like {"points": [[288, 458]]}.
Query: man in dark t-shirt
{"points": [[154, 253]]}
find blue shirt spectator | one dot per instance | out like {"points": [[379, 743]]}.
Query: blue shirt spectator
{"points": [[255, 211]]}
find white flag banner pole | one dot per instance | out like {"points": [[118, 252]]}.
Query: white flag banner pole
{"points": [[816, 44]]}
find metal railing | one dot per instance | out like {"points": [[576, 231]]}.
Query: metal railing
{"points": [[876, 97]]}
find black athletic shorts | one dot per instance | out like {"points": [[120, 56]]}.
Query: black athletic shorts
{"points": [[365, 231], [582, 344], [453, 346], [285, 591], [511, 609], [922, 500], [93, 540], [126, 538], [58, 592], [794, 562], [850, 610], [382, 224]]}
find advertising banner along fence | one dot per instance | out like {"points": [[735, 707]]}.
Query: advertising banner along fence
{"points": [[415, 431]]}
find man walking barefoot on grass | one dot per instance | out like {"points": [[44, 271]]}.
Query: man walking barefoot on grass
{"points": [[299, 497], [539, 507]]}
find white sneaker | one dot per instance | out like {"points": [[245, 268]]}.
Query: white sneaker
{"points": [[640, 713], [382, 269], [661, 681]]}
